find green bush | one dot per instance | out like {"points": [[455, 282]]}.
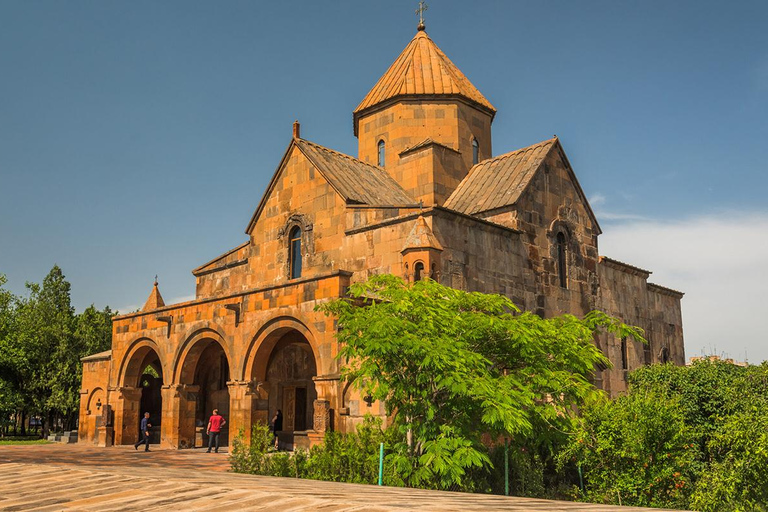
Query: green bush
{"points": [[350, 458]]}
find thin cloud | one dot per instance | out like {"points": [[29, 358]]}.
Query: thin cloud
{"points": [[718, 261], [603, 215], [597, 200]]}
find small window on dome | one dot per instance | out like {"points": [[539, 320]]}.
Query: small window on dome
{"points": [[381, 153], [475, 151]]}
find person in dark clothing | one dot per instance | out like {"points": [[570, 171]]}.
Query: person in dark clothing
{"points": [[277, 426], [145, 426], [214, 429]]}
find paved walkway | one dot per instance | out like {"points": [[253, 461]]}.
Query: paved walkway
{"points": [[72, 477]]}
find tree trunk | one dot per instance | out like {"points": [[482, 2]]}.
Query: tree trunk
{"points": [[23, 420]]}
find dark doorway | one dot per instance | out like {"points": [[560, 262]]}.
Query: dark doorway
{"points": [[151, 384], [301, 409], [211, 374], [290, 371]]}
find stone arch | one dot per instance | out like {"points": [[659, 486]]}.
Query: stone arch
{"points": [[131, 365], [93, 398], [265, 339], [190, 350], [283, 363], [133, 398], [202, 375]]}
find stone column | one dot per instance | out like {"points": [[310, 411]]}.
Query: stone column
{"points": [[178, 424], [127, 415], [248, 405], [322, 416], [105, 430], [327, 392]]}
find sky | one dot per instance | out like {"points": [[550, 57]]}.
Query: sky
{"points": [[136, 138]]}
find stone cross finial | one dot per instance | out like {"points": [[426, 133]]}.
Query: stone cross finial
{"points": [[420, 11], [155, 279]]}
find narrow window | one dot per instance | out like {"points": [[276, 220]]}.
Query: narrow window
{"points": [[381, 153], [418, 271], [647, 355], [475, 151], [664, 355], [624, 354], [295, 252], [561, 260]]}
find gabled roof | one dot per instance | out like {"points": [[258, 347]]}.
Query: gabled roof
{"points": [[421, 237], [500, 181], [355, 181], [425, 144], [423, 69]]}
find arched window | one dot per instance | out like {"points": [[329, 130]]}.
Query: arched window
{"points": [[475, 151], [664, 355], [381, 153], [562, 268], [418, 271], [294, 252]]}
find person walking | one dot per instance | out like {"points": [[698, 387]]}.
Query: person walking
{"points": [[277, 426], [214, 429], [145, 426]]}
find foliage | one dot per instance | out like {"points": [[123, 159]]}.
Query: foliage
{"points": [[451, 366], [341, 458], [686, 437], [41, 343], [636, 450]]}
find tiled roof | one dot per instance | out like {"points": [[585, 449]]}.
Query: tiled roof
{"points": [[356, 181], [625, 267], [423, 144], [422, 69], [96, 357], [498, 181]]}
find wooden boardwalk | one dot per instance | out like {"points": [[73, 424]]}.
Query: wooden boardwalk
{"points": [[71, 477]]}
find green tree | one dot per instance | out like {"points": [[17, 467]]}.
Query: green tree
{"points": [[636, 450], [45, 330], [685, 437], [451, 366]]}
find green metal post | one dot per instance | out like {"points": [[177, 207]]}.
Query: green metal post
{"points": [[506, 467], [581, 479], [381, 464]]}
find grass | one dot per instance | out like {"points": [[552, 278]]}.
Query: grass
{"points": [[13, 441]]}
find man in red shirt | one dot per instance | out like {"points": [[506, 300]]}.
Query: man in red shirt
{"points": [[214, 429]]}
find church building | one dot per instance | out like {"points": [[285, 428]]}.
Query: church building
{"points": [[425, 197]]}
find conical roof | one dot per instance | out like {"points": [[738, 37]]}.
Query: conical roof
{"points": [[422, 69], [155, 300], [421, 237]]}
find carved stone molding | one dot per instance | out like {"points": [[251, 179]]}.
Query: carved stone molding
{"points": [[322, 416]]}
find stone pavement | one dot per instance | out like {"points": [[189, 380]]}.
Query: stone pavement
{"points": [[76, 477]]}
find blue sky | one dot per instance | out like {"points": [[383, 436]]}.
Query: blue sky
{"points": [[136, 138]]}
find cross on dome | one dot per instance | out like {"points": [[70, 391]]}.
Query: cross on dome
{"points": [[420, 11]]}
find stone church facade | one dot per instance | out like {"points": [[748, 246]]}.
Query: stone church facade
{"points": [[425, 197]]}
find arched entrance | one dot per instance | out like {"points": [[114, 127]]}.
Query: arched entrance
{"points": [[142, 392], [205, 374], [289, 382]]}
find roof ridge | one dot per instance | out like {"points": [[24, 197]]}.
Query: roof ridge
{"points": [[339, 153], [510, 153]]}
